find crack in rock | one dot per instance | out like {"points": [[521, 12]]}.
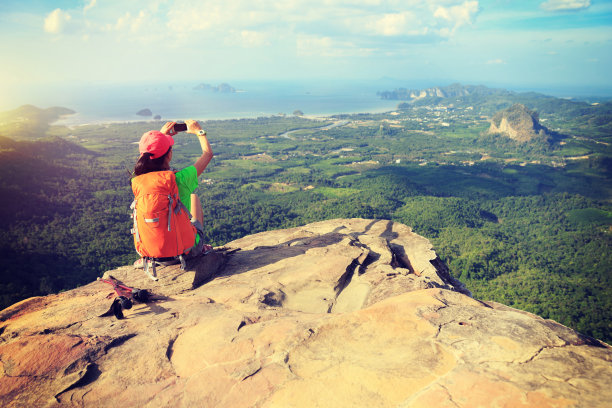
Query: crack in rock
{"points": [[170, 347], [450, 396], [538, 352], [252, 374], [399, 259], [246, 321], [116, 342], [346, 277]]}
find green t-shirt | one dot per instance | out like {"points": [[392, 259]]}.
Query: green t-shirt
{"points": [[187, 182]]}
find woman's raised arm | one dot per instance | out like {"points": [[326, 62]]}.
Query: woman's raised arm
{"points": [[207, 153]]}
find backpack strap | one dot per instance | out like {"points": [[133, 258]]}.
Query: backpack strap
{"points": [[170, 200], [135, 229], [181, 207]]}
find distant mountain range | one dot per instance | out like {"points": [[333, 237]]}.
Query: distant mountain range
{"points": [[489, 101], [450, 91], [30, 113]]}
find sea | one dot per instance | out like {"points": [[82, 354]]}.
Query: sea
{"points": [[103, 102], [107, 103]]}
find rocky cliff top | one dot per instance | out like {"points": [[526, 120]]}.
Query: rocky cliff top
{"points": [[339, 313]]}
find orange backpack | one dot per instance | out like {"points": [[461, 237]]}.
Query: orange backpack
{"points": [[162, 226]]}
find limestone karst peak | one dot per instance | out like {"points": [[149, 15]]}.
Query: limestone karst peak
{"points": [[519, 123]]}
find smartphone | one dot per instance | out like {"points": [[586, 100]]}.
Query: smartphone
{"points": [[180, 127]]}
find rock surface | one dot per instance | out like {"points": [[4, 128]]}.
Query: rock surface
{"points": [[340, 313]]}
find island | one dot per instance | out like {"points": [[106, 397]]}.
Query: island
{"points": [[221, 88]]}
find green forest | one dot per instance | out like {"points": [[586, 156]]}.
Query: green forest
{"points": [[527, 225]]}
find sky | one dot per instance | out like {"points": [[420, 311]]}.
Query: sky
{"points": [[519, 43]]}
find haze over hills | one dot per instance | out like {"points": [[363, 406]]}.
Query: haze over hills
{"points": [[30, 122], [449, 91]]}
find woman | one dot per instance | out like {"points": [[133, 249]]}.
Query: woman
{"points": [[156, 154]]}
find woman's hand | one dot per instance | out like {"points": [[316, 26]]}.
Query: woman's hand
{"points": [[168, 129], [193, 126]]}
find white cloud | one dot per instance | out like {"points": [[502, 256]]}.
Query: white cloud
{"points": [[313, 46], [309, 46], [445, 32], [565, 5], [392, 24], [139, 21], [89, 6], [334, 18], [458, 15], [354, 27], [188, 16], [56, 21], [132, 24], [253, 39], [302, 37]]}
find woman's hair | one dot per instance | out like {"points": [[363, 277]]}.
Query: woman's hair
{"points": [[146, 164]]}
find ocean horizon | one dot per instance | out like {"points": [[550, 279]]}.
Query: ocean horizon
{"points": [[109, 103], [179, 100]]}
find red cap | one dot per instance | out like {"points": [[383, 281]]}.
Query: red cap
{"points": [[156, 143]]}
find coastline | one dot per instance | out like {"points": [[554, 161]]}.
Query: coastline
{"points": [[118, 104], [69, 122]]}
